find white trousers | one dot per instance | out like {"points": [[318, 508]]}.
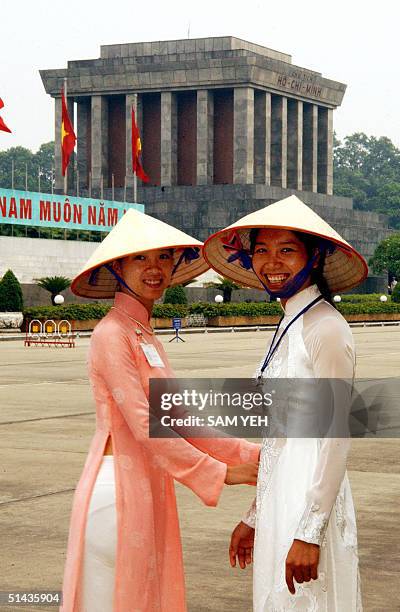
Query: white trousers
{"points": [[98, 571]]}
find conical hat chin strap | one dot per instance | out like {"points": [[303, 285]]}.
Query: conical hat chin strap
{"points": [[188, 255], [120, 279], [293, 286], [238, 252], [94, 273]]}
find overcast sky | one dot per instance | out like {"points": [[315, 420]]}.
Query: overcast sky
{"points": [[352, 41]]}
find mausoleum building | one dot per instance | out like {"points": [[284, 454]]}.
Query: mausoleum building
{"points": [[227, 127]]}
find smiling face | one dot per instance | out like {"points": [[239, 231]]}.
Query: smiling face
{"points": [[148, 274], [278, 256]]}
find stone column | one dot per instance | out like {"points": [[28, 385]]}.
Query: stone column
{"points": [[205, 136], [315, 148], [329, 153], [299, 145], [295, 145], [59, 180], [325, 150], [99, 132], [262, 137], [310, 147], [279, 141], [243, 135], [83, 143], [284, 142], [169, 148]]}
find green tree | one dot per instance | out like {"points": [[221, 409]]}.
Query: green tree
{"points": [[45, 161], [367, 169], [225, 285], [386, 257], [11, 299], [27, 162], [175, 295], [53, 284]]}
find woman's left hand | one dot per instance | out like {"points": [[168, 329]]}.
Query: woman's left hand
{"points": [[301, 563], [242, 544]]}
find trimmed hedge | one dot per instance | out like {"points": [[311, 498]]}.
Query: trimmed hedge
{"points": [[375, 308], [80, 312], [236, 309], [162, 311], [357, 298], [166, 311]]}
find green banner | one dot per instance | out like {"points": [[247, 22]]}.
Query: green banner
{"points": [[53, 210]]}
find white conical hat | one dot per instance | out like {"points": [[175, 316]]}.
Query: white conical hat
{"points": [[135, 233], [344, 267]]}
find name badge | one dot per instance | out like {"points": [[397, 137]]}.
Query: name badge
{"points": [[152, 356]]}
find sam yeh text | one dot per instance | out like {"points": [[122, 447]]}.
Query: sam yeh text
{"points": [[249, 420]]}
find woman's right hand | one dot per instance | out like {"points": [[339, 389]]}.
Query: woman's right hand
{"points": [[244, 473]]}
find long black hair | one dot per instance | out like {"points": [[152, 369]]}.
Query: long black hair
{"points": [[311, 244]]}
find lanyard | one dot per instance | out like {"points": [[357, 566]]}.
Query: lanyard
{"points": [[273, 347]]}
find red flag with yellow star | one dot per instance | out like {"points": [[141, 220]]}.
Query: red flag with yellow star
{"points": [[68, 137], [3, 126], [137, 167]]}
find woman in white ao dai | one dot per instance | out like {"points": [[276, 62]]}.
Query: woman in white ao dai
{"points": [[300, 530], [303, 491]]}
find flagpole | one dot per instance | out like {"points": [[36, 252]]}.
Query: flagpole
{"points": [[112, 186], [125, 188], [12, 173], [135, 99], [39, 179], [135, 188], [26, 177], [52, 180], [66, 169]]}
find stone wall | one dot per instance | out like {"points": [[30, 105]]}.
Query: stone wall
{"points": [[31, 258], [201, 211]]}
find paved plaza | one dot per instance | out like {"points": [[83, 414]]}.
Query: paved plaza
{"points": [[46, 423]]}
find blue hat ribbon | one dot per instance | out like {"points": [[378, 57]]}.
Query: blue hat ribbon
{"points": [[188, 255]]}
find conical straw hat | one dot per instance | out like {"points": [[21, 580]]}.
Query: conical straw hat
{"points": [[135, 233], [344, 267]]}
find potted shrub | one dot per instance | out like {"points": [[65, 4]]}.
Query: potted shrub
{"points": [[11, 302], [54, 285], [226, 286]]}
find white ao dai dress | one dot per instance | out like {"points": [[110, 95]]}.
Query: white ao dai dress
{"points": [[303, 491]]}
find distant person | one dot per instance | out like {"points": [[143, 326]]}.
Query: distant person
{"points": [[301, 527], [124, 549]]}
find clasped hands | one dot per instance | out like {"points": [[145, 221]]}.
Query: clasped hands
{"points": [[301, 561]]}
